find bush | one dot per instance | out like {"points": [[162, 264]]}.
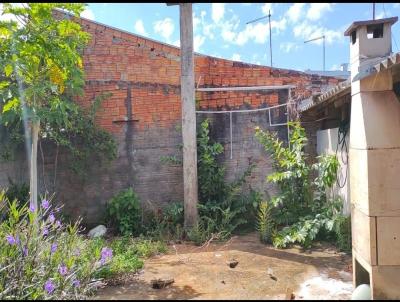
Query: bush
{"points": [[265, 223], [343, 233], [19, 192], [167, 223], [301, 207], [222, 206], [128, 255], [124, 213], [41, 258]]}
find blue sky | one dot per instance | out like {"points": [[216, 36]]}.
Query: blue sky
{"points": [[220, 29]]}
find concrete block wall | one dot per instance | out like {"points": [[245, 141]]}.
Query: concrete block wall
{"points": [[144, 116]]}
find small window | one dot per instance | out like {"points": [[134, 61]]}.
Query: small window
{"points": [[353, 37], [375, 31]]}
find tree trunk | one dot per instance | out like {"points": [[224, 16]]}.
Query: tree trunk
{"points": [[35, 126]]}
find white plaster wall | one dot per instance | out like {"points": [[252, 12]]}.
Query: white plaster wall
{"points": [[327, 141]]}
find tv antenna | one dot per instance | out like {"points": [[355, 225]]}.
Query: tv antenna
{"points": [[373, 11], [323, 49], [270, 38]]}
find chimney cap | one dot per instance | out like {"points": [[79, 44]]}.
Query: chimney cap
{"points": [[356, 24]]}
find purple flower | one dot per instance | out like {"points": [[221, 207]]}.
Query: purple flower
{"points": [[49, 286], [45, 204], [45, 231], [62, 270], [11, 240], [105, 254], [52, 218], [32, 207], [58, 223], [53, 248], [76, 283], [25, 251]]}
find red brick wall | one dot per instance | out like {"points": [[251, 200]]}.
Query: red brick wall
{"points": [[154, 71], [144, 79]]}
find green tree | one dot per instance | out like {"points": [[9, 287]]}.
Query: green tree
{"points": [[40, 71]]}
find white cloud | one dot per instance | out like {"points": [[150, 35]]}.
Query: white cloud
{"points": [[334, 67], [217, 11], [279, 25], [200, 25], [288, 46], [266, 7], [198, 41], [380, 15], [316, 10], [295, 11], [196, 22], [139, 27], [229, 28], [88, 14], [164, 27], [307, 31], [236, 57], [259, 32], [177, 43]]}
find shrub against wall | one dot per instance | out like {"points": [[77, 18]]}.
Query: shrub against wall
{"points": [[301, 210], [124, 213]]}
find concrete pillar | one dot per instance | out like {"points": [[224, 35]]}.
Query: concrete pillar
{"points": [[374, 158]]}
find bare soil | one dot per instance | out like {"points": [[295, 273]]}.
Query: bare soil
{"points": [[262, 272]]}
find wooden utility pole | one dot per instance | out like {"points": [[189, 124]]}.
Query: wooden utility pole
{"points": [[188, 115]]}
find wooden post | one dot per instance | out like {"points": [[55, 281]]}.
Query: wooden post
{"points": [[188, 115]]}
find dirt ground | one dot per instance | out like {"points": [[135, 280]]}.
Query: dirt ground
{"points": [[263, 272]]}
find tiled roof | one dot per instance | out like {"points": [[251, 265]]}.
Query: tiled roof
{"points": [[384, 64], [312, 101]]}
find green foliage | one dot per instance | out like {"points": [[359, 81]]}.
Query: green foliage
{"points": [[301, 206], [172, 160], [265, 223], [222, 206], [41, 72], [124, 213], [212, 187], [342, 230], [201, 231], [81, 137], [42, 56], [37, 250], [167, 223], [128, 255], [291, 173], [19, 192]]}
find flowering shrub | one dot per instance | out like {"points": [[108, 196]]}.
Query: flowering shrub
{"points": [[42, 258]]}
